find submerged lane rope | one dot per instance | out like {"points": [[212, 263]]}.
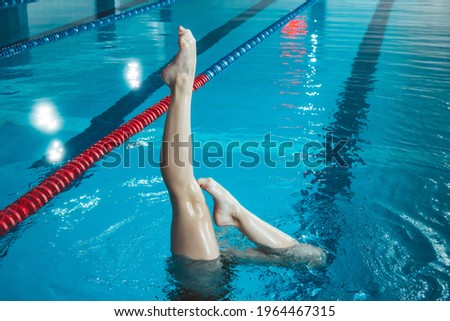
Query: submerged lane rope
{"points": [[37, 197], [76, 30], [14, 3]]}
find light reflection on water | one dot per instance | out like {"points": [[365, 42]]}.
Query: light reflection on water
{"points": [[55, 151], [45, 117], [133, 74]]}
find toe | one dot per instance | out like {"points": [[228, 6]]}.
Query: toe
{"points": [[201, 182], [185, 34], [204, 182], [207, 184]]}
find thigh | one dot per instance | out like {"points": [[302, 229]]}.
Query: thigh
{"points": [[192, 232]]}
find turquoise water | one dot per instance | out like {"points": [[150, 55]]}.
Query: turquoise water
{"points": [[374, 73]]}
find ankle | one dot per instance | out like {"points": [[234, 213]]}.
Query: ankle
{"points": [[181, 83], [239, 214]]}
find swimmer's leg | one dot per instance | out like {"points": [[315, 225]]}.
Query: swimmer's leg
{"points": [[192, 233], [228, 211]]}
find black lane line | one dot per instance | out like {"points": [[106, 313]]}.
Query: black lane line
{"points": [[351, 117], [113, 117], [349, 122]]}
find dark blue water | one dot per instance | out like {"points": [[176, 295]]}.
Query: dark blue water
{"points": [[373, 75]]}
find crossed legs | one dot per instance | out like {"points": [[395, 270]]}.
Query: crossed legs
{"points": [[192, 232]]}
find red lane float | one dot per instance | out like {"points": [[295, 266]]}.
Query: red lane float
{"points": [[37, 197]]}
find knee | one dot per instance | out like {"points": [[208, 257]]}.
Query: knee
{"points": [[189, 193]]}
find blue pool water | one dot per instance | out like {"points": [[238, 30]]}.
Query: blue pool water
{"points": [[373, 73]]}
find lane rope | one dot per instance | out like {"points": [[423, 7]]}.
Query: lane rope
{"points": [[37, 197], [19, 47]]}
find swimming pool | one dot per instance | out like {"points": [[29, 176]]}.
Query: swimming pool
{"points": [[374, 73]]}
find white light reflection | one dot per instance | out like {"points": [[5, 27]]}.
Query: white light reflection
{"points": [[133, 74], [55, 151], [45, 117], [309, 75]]}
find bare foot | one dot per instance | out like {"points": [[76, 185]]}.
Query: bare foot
{"points": [[181, 71], [226, 207]]}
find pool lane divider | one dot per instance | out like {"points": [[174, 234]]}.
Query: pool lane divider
{"points": [[40, 195], [17, 48]]}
